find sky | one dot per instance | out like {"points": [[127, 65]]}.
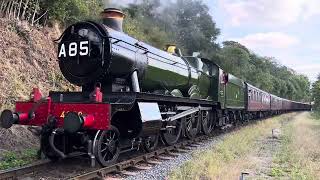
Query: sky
{"points": [[287, 30]]}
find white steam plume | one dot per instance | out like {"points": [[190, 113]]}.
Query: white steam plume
{"points": [[125, 3], [118, 3]]}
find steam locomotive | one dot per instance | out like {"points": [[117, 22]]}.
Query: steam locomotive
{"points": [[134, 95]]}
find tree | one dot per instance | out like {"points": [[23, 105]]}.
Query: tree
{"points": [[263, 72], [316, 94], [28, 10], [234, 57], [70, 11], [196, 31]]}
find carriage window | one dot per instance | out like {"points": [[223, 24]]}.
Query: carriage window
{"points": [[260, 97], [253, 95]]}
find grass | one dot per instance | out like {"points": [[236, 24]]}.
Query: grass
{"points": [[13, 159], [226, 159], [316, 114], [299, 154]]}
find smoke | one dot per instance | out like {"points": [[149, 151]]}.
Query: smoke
{"points": [[119, 3], [126, 3]]}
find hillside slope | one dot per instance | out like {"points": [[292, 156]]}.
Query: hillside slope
{"points": [[27, 60]]}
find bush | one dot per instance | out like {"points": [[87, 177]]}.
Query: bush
{"points": [[70, 11]]}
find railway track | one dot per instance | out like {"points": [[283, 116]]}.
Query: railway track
{"points": [[41, 165], [98, 173], [145, 158], [18, 172], [162, 153]]}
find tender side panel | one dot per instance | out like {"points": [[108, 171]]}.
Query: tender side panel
{"points": [[235, 89]]}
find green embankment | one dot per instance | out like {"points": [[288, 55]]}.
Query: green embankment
{"points": [[291, 152]]}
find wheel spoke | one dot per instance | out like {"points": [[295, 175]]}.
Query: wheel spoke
{"points": [[104, 149], [205, 122], [109, 136], [114, 135], [104, 157], [189, 125]]}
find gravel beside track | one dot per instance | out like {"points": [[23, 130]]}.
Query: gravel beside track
{"points": [[161, 171]]}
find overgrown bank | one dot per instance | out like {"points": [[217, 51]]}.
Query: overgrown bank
{"points": [[14, 159], [27, 60]]}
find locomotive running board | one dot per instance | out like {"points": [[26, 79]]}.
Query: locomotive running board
{"points": [[186, 112]]}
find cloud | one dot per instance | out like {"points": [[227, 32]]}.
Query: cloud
{"points": [[269, 12], [283, 47], [311, 70], [276, 40]]}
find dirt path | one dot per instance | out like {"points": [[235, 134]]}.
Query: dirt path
{"points": [[261, 159], [285, 152]]}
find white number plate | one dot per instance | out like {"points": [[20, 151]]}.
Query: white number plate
{"points": [[73, 49]]}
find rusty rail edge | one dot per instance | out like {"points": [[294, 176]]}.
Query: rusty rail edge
{"points": [[101, 173], [17, 172]]}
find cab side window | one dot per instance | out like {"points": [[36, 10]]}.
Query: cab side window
{"points": [[205, 67]]}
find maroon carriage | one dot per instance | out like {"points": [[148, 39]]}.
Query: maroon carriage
{"points": [[276, 104], [258, 103]]}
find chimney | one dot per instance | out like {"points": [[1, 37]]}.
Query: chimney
{"points": [[113, 18]]}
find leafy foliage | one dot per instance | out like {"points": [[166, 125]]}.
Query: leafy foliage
{"points": [[69, 11], [12, 159], [189, 24], [263, 72], [316, 94]]}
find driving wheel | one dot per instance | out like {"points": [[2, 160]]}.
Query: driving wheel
{"points": [[150, 143], [192, 123], [106, 146], [172, 132], [207, 118]]}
